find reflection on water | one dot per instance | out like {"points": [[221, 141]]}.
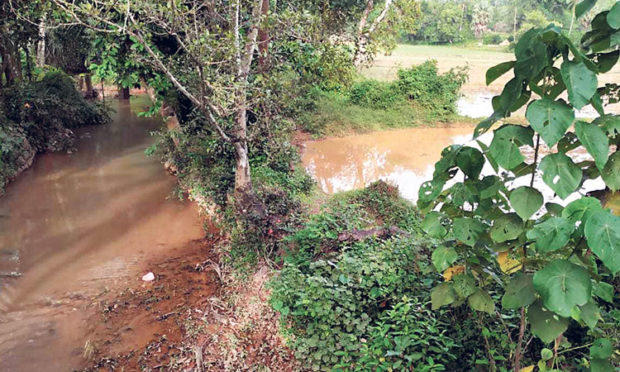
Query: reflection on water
{"points": [[406, 158], [402, 157]]}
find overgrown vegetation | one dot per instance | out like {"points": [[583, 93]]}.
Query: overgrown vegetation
{"points": [[420, 95], [38, 116]]}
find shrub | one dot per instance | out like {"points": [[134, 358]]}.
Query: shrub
{"points": [[492, 38], [375, 94], [437, 92]]}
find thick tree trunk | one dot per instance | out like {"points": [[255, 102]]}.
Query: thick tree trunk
{"points": [[11, 64], [41, 43], [89, 85], [124, 93]]}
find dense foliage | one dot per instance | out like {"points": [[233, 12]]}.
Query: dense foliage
{"points": [[38, 116], [557, 264]]}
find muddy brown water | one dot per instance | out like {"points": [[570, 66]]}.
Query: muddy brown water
{"points": [[75, 225], [404, 157]]}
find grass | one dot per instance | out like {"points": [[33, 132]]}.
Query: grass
{"points": [[336, 116], [479, 59]]}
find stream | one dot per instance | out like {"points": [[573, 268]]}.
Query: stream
{"points": [[78, 224]]}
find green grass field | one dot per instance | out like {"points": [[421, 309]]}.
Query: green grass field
{"points": [[479, 60]]}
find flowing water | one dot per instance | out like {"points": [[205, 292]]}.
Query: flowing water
{"points": [[403, 157], [76, 224]]}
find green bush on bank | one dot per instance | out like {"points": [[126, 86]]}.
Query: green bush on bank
{"points": [[350, 304], [37, 116], [420, 95]]}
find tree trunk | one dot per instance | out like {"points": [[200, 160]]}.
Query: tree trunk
{"points": [[11, 64], [361, 36], [89, 85], [41, 43], [124, 93], [263, 39]]}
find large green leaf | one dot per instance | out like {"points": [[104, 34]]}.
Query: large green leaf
{"points": [[595, 141], [613, 17], [563, 285], [602, 232], [560, 174], [580, 210], [519, 292], [604, 291], [481, 301], [590, 314], [580, 81], [550, 118], [545, 324], [609, 123], [471, 161], [607, 61], [602, 348], [531, 54], [434, 224], [551, 234], [443, 257], [505, 145], [468, 230], [507, 227], [600, 365], [464, 285], [611, 172], [526, 201], [583, 7], [441, 295], [498, 70]]}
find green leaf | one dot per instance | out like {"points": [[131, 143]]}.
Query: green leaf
{"points": [[506, 227], [602, 232], [583, 7], [590, 314], [595, 141], [563, 285], [560, 174], [519, 292], [602, 348], [441, 295], [467, 230], [433, 224], [526, 201], [545, 324], [580, 210], [444, 257], [613, 17], [554, 209], [611, 172], [551, 234], [607, 61], [464, 285], [481, 301], [550, 118], [498, 70], [580, 81], [600, 365], [505, 145], [531, 54], [470, 160], [609, 123], [604, 291]]}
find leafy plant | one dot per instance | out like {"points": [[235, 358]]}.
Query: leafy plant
{"points": [[548, 258]]}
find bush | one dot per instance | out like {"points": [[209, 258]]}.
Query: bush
{"points": [[437, 92], [361, 304], [46, 108], [492, 38], [375, 94]]}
